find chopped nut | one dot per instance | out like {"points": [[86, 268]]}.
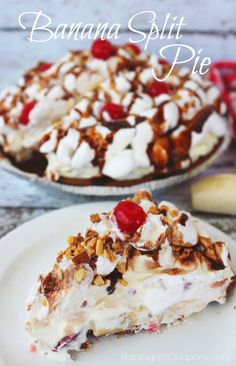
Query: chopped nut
{"points": [[117, 246], [98, 281], [91, 234], [48, 284], [90, 249], [165, 220], [174, 213], [123, 282], [59, 274], [79, 248], [99, 247], [106, 254], [79, 238], [95, 218], [143, 195], [153, 210], [68, 253], [80, 274], [82, 257], [44, 302], [60, 255], [55, 267], [106, 233], [91, 242], [121, 267], [57, 124], [112, 257], [71, 240], [164, 207]]}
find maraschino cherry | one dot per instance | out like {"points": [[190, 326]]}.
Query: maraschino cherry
{"points": [[133, 47], [163, 62], [102, 49], [24, 117], [43, 66], [115, 111], [129, 216], [156, 88]]}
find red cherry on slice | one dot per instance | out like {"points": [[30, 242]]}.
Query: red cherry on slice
{"points": [[129, 216], [133, 47], [102, 49], [115, 111], [163, 62], [156, 88], [43, 66], [24, 117]]}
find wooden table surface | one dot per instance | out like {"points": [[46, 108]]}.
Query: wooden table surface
{"points": [[21, 200], [210, 25]]}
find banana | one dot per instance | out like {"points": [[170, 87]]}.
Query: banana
{"points": [[215, 194]]}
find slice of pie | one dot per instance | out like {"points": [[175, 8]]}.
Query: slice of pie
{"points": [[139, 266]]}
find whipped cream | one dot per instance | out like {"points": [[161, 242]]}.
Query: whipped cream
{"points": [[203, 142]]}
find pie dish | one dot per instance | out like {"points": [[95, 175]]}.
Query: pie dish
{"points": [[137, 267], [98, 117]]}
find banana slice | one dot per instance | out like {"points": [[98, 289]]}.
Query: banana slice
{"points": [[215, 194]]}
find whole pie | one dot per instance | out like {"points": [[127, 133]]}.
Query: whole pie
{"points": [[100, 117], [141, 265]]}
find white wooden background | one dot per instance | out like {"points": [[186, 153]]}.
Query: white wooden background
{"points": [[211, 25]]}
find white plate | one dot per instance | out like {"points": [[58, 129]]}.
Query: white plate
{"points": [[31, 248], [115, 191]]}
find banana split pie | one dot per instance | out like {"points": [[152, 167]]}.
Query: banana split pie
{"points": [[141, 265], [98, 116]]}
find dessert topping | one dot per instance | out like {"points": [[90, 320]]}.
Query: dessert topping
{"points": [[43, 66], [114, 111], [129, 216], [133, 47], [80, 274], [102, 49], [24, 117], [156, 88]]}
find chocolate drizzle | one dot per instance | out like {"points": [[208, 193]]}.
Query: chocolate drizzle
{"points": [[158, 174], [114, 276], [183, 219]]}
